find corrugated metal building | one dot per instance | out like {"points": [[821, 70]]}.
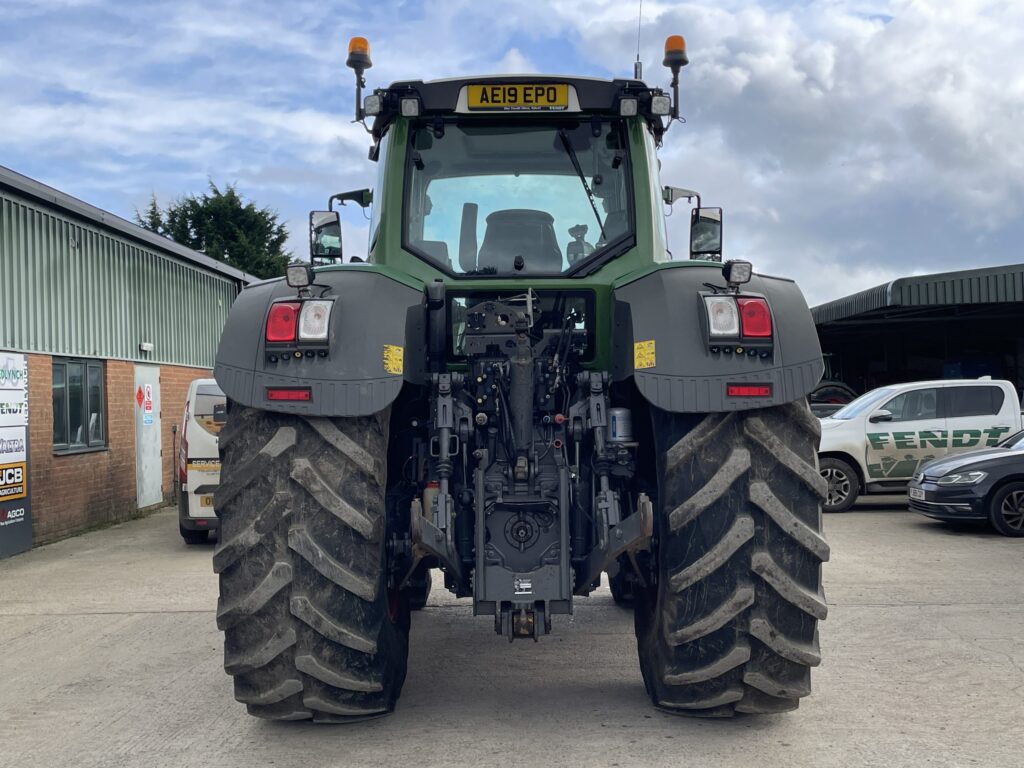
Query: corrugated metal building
{"points": [[112, 322], [949, 325]]}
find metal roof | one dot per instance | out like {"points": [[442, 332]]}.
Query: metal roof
{"points": [[991, 285], [72, 205]]}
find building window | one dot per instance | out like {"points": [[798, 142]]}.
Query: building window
{"points": [[79, 407]]}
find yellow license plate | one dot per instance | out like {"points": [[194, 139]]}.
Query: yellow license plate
{"points": [[519, 97], [206, 501]]}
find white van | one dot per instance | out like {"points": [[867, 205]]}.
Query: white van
{"points": [[876, 443], [198, 459]]}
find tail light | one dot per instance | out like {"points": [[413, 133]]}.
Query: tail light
{"points": [[183, 452], [733, 317], [283, 321], [183, 462], [755, 318]]}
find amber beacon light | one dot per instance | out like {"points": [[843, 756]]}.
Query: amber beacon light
{"points": [[358, 53], [675, 52], [675, 59], [359, 61]]}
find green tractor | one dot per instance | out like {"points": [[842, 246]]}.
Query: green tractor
{"points": [[520, 387]]}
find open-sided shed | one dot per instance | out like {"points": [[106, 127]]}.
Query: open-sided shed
{"points": [[950, 325]]}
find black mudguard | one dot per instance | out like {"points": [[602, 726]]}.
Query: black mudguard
{"points": [[666, 307], [373, 317]]}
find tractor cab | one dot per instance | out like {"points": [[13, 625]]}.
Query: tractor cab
{"points": [[514, 176]]}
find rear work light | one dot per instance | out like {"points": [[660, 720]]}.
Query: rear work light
{"points": [[283, 321], [755, 318], [289, 393], [748, 390]]}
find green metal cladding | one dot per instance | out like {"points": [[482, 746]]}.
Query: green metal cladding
{"points": [[72, 287]]}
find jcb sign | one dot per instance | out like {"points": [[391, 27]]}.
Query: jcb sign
{"points": [[12, 481]]}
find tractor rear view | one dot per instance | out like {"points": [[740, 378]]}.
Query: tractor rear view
{"points": [[519, 386]]}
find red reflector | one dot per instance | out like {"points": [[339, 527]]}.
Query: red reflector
{"points": [[300, 393], [282, 320], [748, 390], [755, 318]]}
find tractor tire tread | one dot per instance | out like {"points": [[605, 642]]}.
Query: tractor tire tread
{"points": [[732, 553], [310, 633]]}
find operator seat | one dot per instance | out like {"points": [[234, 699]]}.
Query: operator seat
{"points": [[520, 232], [616, 224]]}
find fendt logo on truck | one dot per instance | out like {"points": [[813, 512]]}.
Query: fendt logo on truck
{"points": [[939, 438], [12, 481]]}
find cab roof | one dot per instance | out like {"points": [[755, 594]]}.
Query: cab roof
{"points": [[594, 96]]}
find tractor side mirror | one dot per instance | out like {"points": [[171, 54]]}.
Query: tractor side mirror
{"points": [[706, 234], [324, 237], [880, 415]]}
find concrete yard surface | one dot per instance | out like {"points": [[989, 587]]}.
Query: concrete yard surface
{"points": [[111, 657]]}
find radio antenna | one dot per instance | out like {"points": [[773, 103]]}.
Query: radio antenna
{"points": [[638, 67]]}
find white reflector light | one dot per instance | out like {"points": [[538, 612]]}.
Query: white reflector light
{"points": [[314, 320], [372, 104], [627, 107], [723, 316], [661, 105], [410, 107]]}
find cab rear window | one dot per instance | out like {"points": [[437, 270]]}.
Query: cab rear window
{"points": [[973, 401]]}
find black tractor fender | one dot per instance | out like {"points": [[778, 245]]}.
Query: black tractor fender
{"points": [[375, 344], [678, 367]]}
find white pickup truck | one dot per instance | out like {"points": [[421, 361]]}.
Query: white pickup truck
{"points": [[876, 443]]}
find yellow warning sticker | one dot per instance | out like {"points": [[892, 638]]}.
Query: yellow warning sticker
{"points": [[394, 359], [643, 355]]}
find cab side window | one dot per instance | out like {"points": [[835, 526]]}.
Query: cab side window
{"points": [[973, 401], [914, 405]]}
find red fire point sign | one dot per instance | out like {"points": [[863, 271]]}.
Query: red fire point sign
{"points": [[139, 397]]}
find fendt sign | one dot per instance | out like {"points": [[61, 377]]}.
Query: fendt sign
{"points": [[15, 514]]}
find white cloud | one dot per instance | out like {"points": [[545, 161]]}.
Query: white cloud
{"points": [[514, 62]]}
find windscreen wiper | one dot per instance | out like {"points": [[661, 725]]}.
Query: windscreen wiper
{"points": [[583, 178]]}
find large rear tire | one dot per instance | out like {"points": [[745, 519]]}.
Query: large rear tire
{"points": [[311, 630], [728, 622]]}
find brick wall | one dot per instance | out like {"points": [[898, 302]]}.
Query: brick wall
{"points": [[76, 491]]}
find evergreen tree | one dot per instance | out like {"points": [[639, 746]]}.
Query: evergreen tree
{"points": [[224, 227]]}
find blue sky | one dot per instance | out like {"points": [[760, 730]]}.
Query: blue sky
{"points": [[849, 142]]}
